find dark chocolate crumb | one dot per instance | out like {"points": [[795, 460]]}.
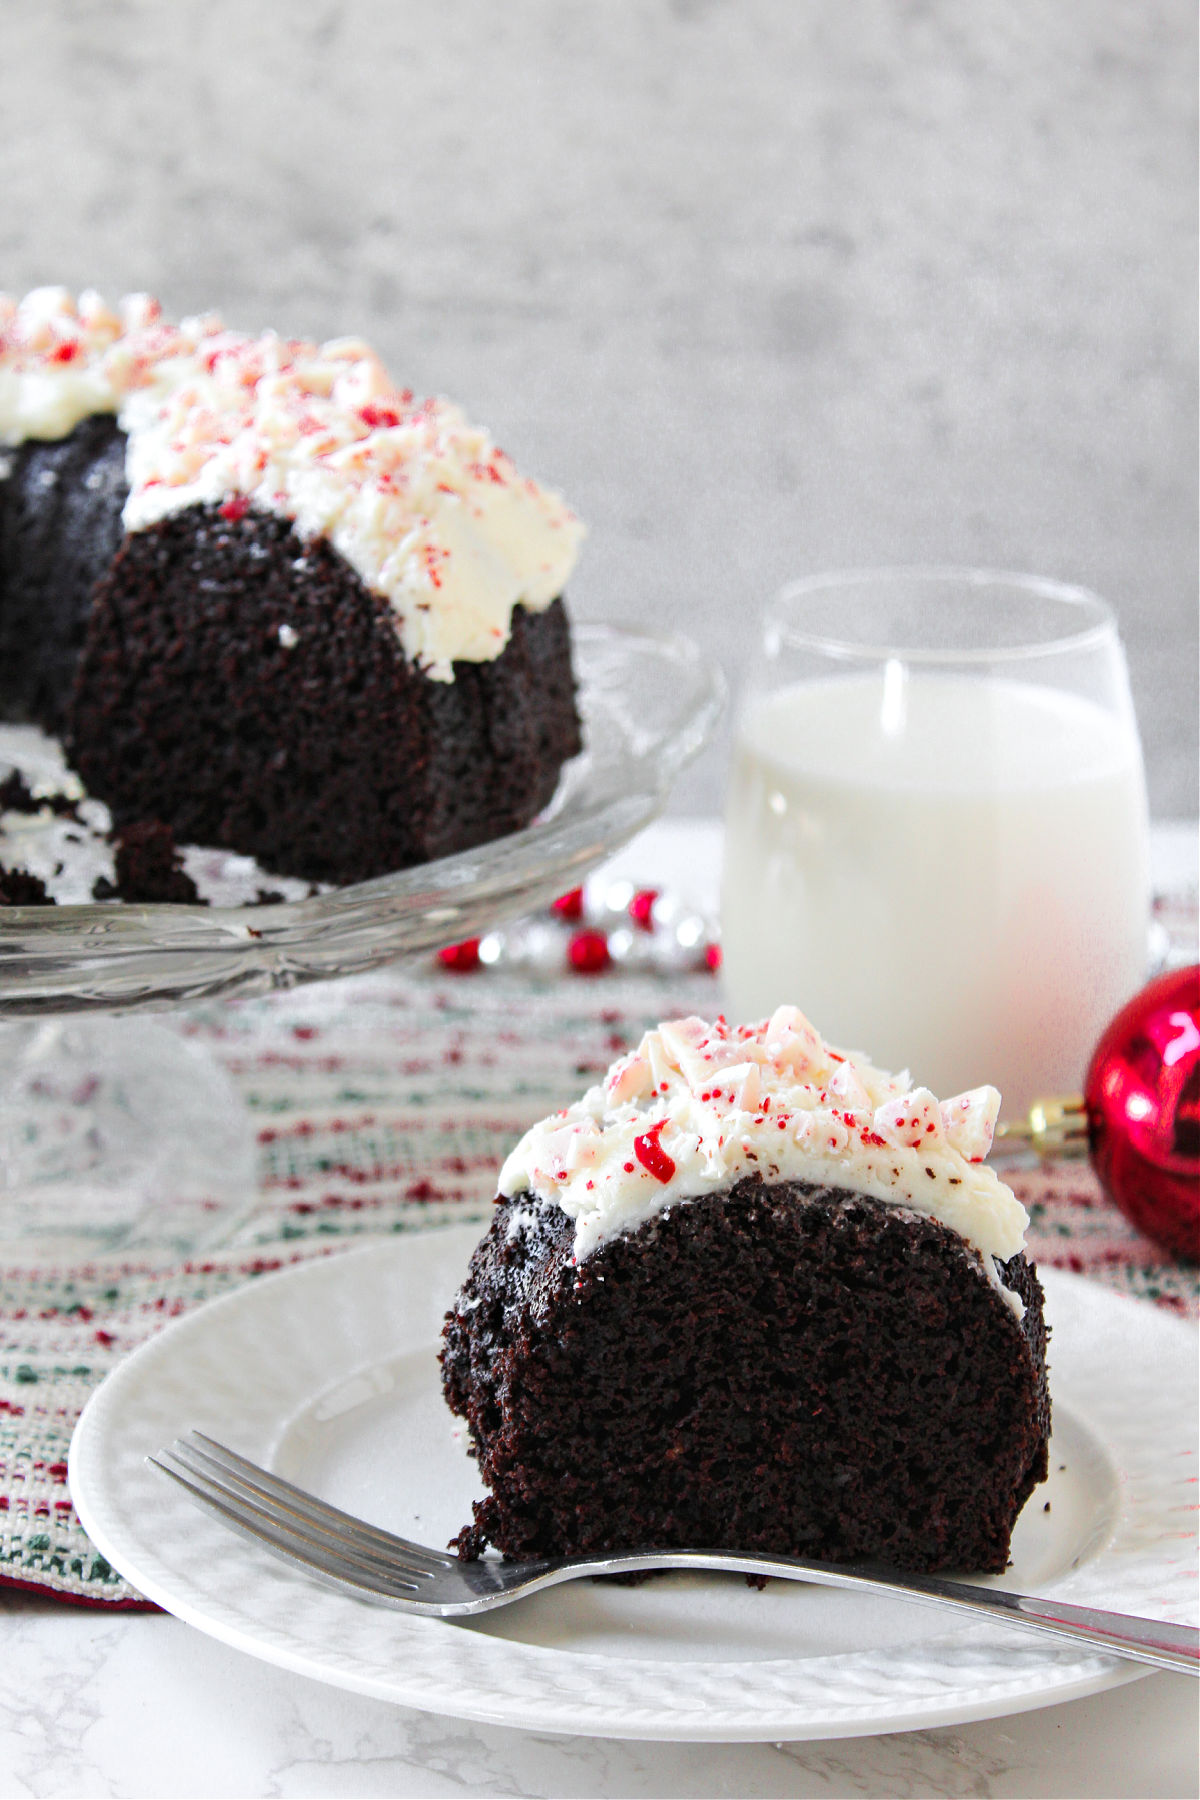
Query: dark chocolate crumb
{"points": [[149, 868], [19, 888], [17, 796]]}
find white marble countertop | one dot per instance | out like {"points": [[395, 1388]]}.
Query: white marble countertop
{"points": [[100, 1703], [139, 1704]]}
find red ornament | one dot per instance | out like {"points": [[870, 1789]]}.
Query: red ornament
{"points": [[462, 958], [1142, 1095], [587, 952]]}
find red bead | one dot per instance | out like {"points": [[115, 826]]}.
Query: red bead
{"points": [[462, 958], [1142, 1094], [569, 906], [641, 908], [587, 952], [712, 957]]}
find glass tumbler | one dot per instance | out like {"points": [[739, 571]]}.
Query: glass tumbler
{"points": [[936, 834]]}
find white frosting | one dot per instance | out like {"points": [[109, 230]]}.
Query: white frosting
{"points": [[62, 360], [420, 503], [697, 1106]]}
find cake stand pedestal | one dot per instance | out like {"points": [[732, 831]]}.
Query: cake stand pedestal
{"points": [[117, 1133]]}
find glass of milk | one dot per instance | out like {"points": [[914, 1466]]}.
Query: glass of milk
{"points": [[936, 837]]}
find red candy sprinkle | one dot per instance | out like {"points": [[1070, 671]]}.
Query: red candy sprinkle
{"points": [[587, 952], [461, 957], [570, 905], [712, 957], [651, 1154], [641, 907], [234, 508]]}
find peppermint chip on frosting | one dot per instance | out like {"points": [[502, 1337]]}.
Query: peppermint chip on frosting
{"points": [[698, 1106]]}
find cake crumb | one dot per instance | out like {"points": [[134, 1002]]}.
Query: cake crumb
{"points": [[149, 868], [19, 888], [17, 796]]}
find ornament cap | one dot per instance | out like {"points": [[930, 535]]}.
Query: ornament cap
{"points": [[1057, 1127]]}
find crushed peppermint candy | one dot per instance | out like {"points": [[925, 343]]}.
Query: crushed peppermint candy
{"points": [[422, 504], [699, 1105]]}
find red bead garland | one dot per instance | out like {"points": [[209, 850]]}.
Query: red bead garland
{"points": [[588, 931]]}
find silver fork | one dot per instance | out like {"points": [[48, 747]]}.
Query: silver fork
{"points": [[347, 1553]]}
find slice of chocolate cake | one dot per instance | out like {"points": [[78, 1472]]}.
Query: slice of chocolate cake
{"points": [[270, 600], [754, 1294]]}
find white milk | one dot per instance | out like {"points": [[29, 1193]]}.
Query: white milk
{"points": [[947, 872]]}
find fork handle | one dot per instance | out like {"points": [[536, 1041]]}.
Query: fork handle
{"points": [[1166, 1646]]}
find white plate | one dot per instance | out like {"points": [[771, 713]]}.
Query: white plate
{"points": [[327, 1372]]}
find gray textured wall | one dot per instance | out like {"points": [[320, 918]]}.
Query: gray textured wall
{"points": [[763, 285]]}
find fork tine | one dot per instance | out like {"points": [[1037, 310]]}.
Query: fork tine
{"points": [[319, 1558], [323, 1537], [244, 1474], [302, 1524]]}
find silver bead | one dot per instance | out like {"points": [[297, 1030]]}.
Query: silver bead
{"points": [[544, 947], [690, 932], [667, 910], [613, 901], [631, 949]]}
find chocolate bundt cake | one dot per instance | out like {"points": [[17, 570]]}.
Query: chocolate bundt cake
{"points": [[269, 600], [752, 1293]]}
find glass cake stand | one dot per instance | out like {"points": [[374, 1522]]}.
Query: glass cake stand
{"points": [[102, 1115]]}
